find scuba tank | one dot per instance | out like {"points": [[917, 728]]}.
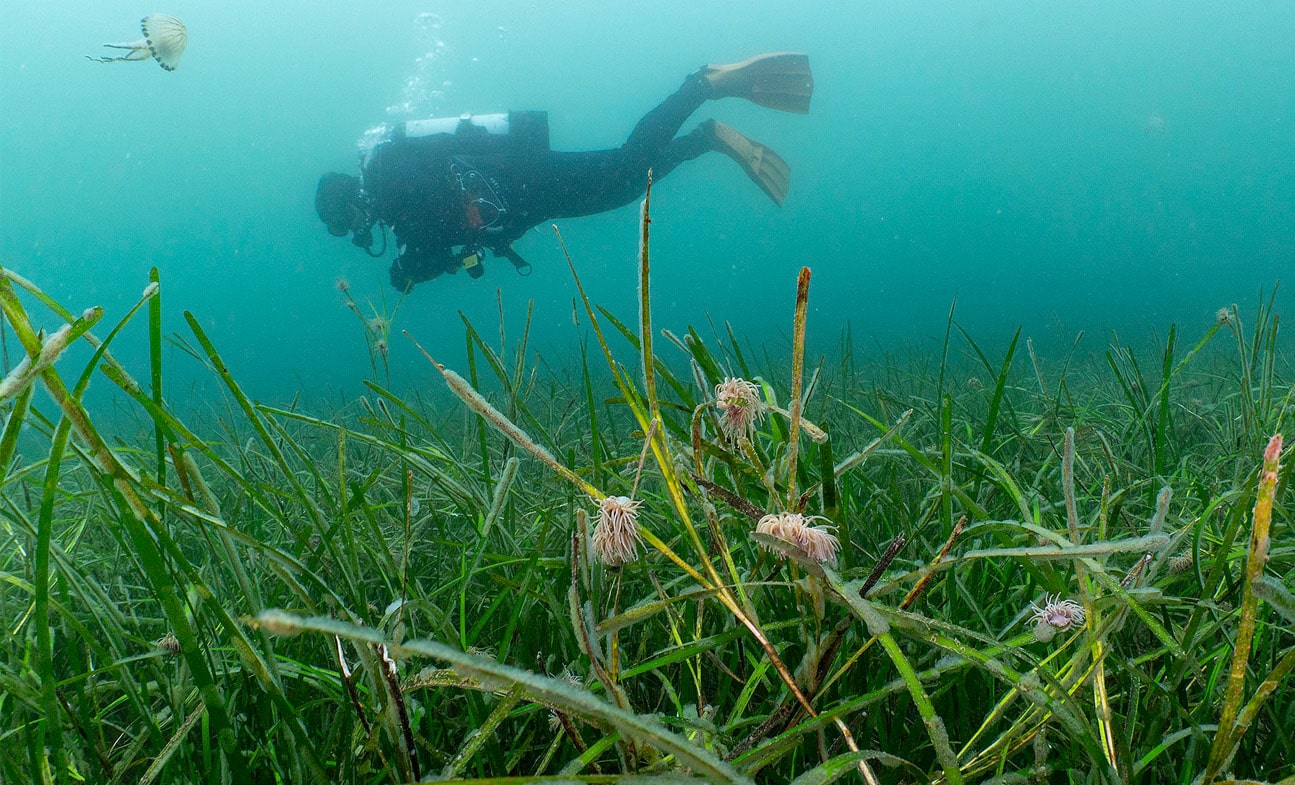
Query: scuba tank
{"points": [[482, 133], [496, 124]]}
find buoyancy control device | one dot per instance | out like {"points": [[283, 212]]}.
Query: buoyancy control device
{"points": [[459, 138]]}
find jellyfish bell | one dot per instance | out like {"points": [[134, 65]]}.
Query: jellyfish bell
{"points": [[164, 40], [166, 37]]}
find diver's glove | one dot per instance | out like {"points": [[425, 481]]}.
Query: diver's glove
{"points": [[415, 265], [470, 259], [401, 279]]}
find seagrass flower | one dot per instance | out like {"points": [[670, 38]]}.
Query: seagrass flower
{"points": [[1055, 615], [740, 407], [616, 535], [571, 677], [168, 643], [817, 542]]}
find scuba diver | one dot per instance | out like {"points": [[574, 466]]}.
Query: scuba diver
{"points": [[452, 188]]}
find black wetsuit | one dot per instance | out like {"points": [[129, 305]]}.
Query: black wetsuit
{"points": [[425, 188]]}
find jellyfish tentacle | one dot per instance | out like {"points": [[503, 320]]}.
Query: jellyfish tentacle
{"points": [[138, 51]]}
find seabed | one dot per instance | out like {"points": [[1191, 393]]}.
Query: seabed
{"points": [[712, 569]]}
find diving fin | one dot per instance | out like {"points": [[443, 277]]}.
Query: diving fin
{"points": [[765, 167], [778, 80]]}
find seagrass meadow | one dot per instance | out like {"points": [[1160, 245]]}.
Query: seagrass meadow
{"points": [[681, 559]]}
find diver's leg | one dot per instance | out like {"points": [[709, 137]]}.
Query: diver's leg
{"points": [[778, 80], [564, 185], [567, 185], [659, 126], [684, 148]]}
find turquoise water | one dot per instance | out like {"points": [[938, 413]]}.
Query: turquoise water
{"points": [[1092, 167]]}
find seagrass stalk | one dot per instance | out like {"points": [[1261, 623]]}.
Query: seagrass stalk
{"points": [[645, 301], [1228, 734], [797, 369], [496, 418]]}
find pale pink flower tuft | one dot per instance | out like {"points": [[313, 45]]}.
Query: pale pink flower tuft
{"points": [[616, 535], [740, 407], [571, 677], [168, 643], [818, 542], [1057, 613]]}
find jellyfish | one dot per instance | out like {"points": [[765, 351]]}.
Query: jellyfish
{"points": [[164, 40]]}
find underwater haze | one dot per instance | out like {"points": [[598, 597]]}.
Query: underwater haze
{"points": [[1095, 167]]}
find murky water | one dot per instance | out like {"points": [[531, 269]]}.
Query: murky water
{"points": [[1097, 167]]}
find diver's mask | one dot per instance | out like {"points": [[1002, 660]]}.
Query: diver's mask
{"points": [[362, 230], [344, 208], [362, 237], [359, 225]]}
